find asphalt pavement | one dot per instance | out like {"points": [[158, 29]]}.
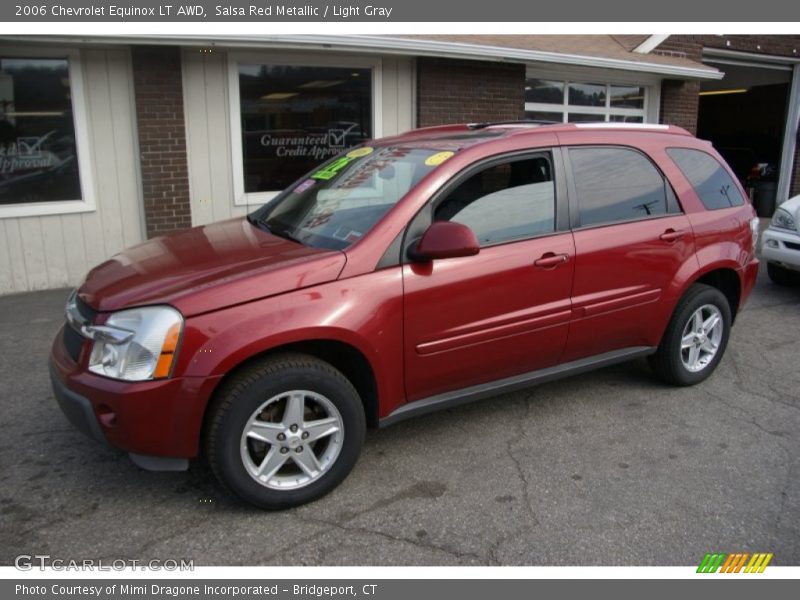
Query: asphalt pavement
{"points": [[607, 468]]}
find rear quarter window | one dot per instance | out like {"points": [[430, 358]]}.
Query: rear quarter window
{"points": [[710, 180]]}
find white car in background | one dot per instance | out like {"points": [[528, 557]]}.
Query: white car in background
{"points": [[781, 245]]}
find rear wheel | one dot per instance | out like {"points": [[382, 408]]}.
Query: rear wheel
{"points": [[696, 337], [285, 431], [781, 275]]}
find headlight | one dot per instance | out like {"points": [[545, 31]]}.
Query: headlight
{"points": [[136, 344], [754, 231], [783, 220]]}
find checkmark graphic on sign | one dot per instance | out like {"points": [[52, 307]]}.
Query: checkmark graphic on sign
{"points": [[336, 138], [29, 147]]}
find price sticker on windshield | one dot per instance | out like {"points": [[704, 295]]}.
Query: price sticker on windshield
{"points": [[438, 158], [332, 170], [359, 152]]}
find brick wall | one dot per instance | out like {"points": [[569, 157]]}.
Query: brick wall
{"points": [[162, 138], [679, 99], [680, 103], [464, 91]]}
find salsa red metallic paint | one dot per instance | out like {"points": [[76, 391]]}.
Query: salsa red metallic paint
{"points": [[425, 328], [445, 239]]}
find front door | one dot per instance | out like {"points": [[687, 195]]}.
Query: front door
{"points": [[504, 311]]}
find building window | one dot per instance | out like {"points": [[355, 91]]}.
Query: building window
{"points": [[576, 102], [39, 166], [291, 117]]}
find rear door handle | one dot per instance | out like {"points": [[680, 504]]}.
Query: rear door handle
{"points": [[549, 260], [671, 235]]}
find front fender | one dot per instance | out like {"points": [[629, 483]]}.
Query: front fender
{"points": [[364, 312]]}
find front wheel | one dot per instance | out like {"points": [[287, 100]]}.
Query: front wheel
{"points": [[285, 431], [696, 337]]}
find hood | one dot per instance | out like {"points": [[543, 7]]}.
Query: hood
{"points": [[207, 268]]}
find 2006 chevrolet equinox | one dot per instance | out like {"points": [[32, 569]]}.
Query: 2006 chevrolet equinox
{"points": [[410, 274]]}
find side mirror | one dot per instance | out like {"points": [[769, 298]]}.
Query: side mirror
{"points": [[445, 239]]}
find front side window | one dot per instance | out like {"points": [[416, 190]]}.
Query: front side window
{"points": [[577, 102], [505, 202], [712, 183], [617, 184], [38, 153], [296, 117], [340, 201]]}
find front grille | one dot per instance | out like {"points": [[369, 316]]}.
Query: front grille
{"points": [[792, 245], [73, 342], [87, 312]]}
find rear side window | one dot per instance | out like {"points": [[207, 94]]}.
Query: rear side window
{"points": [[715, 188], [618, 184], [505, 202]]}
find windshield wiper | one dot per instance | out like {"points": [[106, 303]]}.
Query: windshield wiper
{"points": [[256, 222], [284, 233]]}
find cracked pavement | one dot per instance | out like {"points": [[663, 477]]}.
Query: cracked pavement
{"points": [[607, 468]]}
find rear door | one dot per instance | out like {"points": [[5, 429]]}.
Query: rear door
{"points": [[631, 239], [506, 310]]}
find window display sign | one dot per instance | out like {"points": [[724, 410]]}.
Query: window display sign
{"points": [[38, 155], [296, 117]]}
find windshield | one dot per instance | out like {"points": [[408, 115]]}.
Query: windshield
{"points": [[338, 203]]}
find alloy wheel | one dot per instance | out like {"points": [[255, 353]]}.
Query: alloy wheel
{"points": [[701, 338], [292, 439]]}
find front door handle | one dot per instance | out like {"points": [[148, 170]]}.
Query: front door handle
{"points": [[671, 235], [550, 260]]}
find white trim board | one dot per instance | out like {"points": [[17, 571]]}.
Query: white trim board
{"points": [[753, 59], [650, 44], [789, 138]]}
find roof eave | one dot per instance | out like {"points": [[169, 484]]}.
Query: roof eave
{"points": [[403, 46]]}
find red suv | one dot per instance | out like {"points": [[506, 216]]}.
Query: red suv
{"points": [[410, 274]]}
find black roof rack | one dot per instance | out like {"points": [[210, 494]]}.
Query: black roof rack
{"points": [[517, 122]]}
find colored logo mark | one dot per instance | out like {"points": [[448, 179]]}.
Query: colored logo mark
{"points": [[735, 563]]}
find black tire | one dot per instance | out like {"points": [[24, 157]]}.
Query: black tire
{"points": [[781, 275], [667, 362], [245, 392]]}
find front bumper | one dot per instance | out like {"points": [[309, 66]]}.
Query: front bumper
{"points": [[149, 419], [781, 246], [77, 409]]}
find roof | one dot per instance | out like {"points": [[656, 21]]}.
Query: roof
{"points": [[630, 42], [618, 49]]}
